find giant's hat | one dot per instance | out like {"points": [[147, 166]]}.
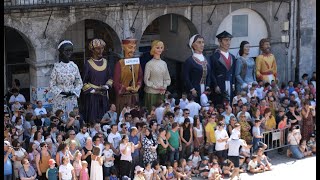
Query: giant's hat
{"points": [[224, 34]]}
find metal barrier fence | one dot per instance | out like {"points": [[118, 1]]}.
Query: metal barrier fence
{"points": [[275, 139]]}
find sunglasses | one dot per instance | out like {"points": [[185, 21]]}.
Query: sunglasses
{"points": [[72, 134], [7, 116]]}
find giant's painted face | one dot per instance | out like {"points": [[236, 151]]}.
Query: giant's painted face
{"points": [[129, 49], [98, 51], [66, 53], [266, 48]]}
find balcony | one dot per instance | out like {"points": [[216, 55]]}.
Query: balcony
{"points": [[36, 4]]}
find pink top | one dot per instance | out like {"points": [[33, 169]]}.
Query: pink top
{"points": [[77, 167], [84, 174]]}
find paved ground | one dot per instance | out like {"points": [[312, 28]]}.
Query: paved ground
{"points": [[285, 168]]}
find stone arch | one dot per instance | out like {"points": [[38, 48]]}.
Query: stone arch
{"points": [[257, 29], [25, 37]]}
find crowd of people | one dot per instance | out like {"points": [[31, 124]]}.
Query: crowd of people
{"points": [[177, 139], [214, 130]]}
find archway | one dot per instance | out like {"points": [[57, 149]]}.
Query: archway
{"points": [[244, 24], [82, 32], [17, 48], [174, 30]]}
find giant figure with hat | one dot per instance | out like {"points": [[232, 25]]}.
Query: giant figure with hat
{"points": [[266, 65], [127, 78], [97, 81], [65, 81], [196, 69], [222, 64]]}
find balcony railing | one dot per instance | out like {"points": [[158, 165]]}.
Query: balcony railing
{"points": [[27, 4]]}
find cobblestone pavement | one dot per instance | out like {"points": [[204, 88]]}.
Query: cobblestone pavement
{"points": [[284, 168]]}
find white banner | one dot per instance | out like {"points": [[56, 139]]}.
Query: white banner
{"points": [[131, 61]]}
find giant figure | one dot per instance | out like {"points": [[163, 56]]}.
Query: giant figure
{"points": [[266, 65], [65, 80], [127, 80], [156, 76], [97, 81], [223, 70], [196, 69]]}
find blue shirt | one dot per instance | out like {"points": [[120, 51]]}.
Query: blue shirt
{"points": [[7, 165], [53, 174], [134, 140]]}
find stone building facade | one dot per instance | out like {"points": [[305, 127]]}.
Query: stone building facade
{"points": [[42, 25]]}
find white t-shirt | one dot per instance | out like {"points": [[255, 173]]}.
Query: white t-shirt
{"points": [[127, 154], [252, 164], [194, 108], [183, 103], [148, 174], [114, 139], [204, 100], [199, 131], [212, 171], [219, 135], [82, 138], [181, 120], [40, 111], [234, 145], [159, 114], [66, 171], [108, 154], [195, 160]]}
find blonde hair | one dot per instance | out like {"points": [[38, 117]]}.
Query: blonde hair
{"points": [[154, 44], [77, 153]]}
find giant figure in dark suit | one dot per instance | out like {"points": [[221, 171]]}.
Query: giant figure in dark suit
{"points": [[223, 65]]}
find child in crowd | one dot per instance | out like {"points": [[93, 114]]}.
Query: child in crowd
{"points": [[52, 172], [227, 168], [245, 151], [148, 172], [242, 164], [108, 159], [186, 173], [253, 165], [196, 159], [204, 167], [214, 173], [113, 175], [66, 170], [304, 149], [138, 174], [159, 171], [190, 169], [263, 160], [84, 174], [170, 173], [312, 143], [77, 163]]}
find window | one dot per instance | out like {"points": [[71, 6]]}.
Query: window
{"points": [[240, 25], [173, 23]]}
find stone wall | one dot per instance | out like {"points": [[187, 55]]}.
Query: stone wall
{"points": [[120, 19]]}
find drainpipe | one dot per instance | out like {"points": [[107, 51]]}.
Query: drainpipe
{"points": [[291, 55], [298, 35], [4, 63]]}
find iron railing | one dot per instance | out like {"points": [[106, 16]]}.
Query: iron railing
{"points": [[29, 4]]}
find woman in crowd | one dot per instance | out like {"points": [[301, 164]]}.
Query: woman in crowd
{"points": [[186, 137], [231, 125], [156, 75], [149, 145], [87, 151], [245, 68], [198, 134], [162, 146], [308, 113], [63, 150], [18, 155], [42, 160], [245, 128], [32, 154], [27, 172], [126, 148]]}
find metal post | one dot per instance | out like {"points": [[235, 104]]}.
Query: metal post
{"points": [[4, 63]]}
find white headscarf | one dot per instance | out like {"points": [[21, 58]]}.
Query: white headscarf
{"points": [[64, 42], [191, 41]]}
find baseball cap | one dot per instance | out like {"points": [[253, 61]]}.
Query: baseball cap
{"points": [[7, 143], [205, 158], [313, 135], [51, 162]]}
